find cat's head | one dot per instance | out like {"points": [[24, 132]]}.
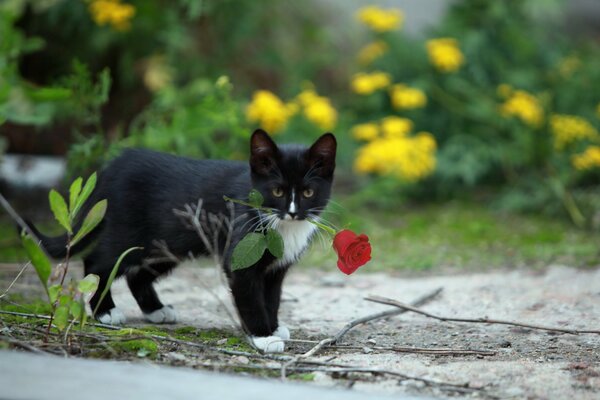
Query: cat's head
{"points": [[294, 180]]}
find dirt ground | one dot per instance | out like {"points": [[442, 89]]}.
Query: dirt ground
{"points": [[527, 363]]}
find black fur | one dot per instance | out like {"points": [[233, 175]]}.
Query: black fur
{"points": [[144, 187]]}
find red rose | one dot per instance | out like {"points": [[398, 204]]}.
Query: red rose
{"points": [[353, 250]]}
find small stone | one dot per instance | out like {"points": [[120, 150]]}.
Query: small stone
{"points": [[367, 350], [514, 392], [372, 342], [222, 341], [241, 359], [332, 281], [175, 356]]}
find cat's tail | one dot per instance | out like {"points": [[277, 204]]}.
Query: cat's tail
{"points": [[56, 246]]}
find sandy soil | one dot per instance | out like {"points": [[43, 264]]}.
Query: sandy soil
{"points": [[527, 363]]}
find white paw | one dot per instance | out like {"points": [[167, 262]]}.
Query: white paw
{"points": [[165, 315], [268, 344], [282, 332], [113, 317]]}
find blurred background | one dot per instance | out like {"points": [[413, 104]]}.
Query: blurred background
{"points": [[468, 129]]}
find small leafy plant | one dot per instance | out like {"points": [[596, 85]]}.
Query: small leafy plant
{"points": [[67, 300]]}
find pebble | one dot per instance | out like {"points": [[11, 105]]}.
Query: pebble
{"points": [[175, 356], [241, 359], [222, 341]]}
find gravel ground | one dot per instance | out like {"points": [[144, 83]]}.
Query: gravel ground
{"points": [[527, 363]]}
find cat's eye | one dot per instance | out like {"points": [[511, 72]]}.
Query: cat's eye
{"points": [[308, 193], [277, 192]]}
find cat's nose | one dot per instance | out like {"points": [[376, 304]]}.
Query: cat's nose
{"points": [[292, 215]]}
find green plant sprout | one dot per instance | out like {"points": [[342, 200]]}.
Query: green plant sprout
{"points": [[68, 300]]}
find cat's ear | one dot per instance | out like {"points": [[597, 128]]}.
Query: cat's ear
{"points": [[321, 155], [263, 152]]}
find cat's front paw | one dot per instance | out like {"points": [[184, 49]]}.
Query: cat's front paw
{"points": [[282, 332], [268, 344], [114, 316], [165, 315]]}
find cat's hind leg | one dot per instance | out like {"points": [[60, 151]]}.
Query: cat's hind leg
{"points": [[140, 281], [105, 312]]}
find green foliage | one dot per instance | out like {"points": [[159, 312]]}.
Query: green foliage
{"points": [[60, 210], [68, 299], [274, 243], [20, 101], [255, 198], [38, 258], [92, 219], [482, 143], [248, 251], [200, 119]]}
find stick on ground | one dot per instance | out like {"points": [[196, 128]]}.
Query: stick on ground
{"points": [[485, 320]]}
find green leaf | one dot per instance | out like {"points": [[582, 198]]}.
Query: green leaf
{"points": [[87, 190], [248, 251], [61, 317], [60, 210], [89, 284], [38, 258], [112, 276], [53, 292], [76, 310], [255, 198], [73, 195], [65, 300], [91, 220], [274, 243]]}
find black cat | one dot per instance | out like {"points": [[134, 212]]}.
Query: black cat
{"points": [[143, 188]]}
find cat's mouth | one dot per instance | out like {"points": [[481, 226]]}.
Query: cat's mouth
{"points": [[291, 217]]}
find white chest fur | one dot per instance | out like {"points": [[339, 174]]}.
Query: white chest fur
{"points": [[296, 236]]}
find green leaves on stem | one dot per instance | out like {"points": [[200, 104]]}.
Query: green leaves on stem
{"points": [[251, 248]]}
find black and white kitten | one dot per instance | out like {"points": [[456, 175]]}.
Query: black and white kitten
{"points": [[144, 187]]}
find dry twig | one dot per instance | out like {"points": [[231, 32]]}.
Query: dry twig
{"points": [[372, 317], [484, 320]]}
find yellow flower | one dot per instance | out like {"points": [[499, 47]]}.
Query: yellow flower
{"points": [[112, 12], [405, 98], [570, 128], [589, 159], [396, 127], [379, 19], [524, 106], [407, 158], [371, 52], [444, 54], [157, 74], [268, 111], [367, 83], [321, 113], [366, 132], [317, 109], [307, 96], [504, 90]]}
